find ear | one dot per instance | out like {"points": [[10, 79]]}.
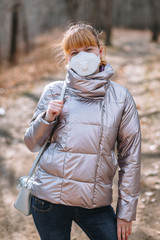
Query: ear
{"points": [[67, 57], [101, 51]]}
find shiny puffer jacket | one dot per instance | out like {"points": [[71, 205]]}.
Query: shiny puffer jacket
{"points": [[78, 167]]}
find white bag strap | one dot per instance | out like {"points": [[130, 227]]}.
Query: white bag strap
{"points": [[41, 151]]}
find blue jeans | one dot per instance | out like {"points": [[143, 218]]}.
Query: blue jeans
{"points": [[54, 221]]}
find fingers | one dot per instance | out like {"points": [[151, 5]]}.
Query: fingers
{"points": [[56, 103], [130, 228], [126, 232], [55, 106], [123, 229], [123, 235], [54, 109], [119, 231]]}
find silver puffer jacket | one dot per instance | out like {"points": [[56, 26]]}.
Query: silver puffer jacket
{"points": [[78, 167]]}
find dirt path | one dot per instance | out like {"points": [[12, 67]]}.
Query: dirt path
{"points": [[135, 61]]}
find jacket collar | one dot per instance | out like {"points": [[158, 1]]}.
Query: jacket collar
{"points": [[93, 86]]}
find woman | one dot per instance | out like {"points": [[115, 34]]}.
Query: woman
{"points": [[74, 179]]}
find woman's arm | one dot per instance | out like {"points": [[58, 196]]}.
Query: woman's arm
{"points": [[129, 157], [43, 120]]}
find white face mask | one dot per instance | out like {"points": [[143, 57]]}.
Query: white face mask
{"points": [[84, 64]]}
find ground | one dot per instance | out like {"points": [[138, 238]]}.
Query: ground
{"points": [[136, 63]]}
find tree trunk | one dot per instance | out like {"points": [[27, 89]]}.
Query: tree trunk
{"points": [[155, 27], [95, 16], [0, 50], [0, 56], [25, 30], [14, 33], [72, 7], [108, 26]]}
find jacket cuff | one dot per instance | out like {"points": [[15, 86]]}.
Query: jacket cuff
{"points": [[38, 132], [43, 128], [42, 117], [127, 210]]}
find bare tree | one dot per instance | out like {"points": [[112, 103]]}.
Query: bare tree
{"points": [[72, 8], [0, 51], [155, 14], [25, 29], [14, 31], [108, 25], [95, 16]]}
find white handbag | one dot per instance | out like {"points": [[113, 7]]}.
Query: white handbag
{"points": [[23, 202]]}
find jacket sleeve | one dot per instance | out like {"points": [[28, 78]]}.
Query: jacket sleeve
{"points": [[39, 129], [129, 158]]}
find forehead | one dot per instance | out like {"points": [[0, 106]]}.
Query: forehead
{"points": [[83, 48], [78, 39]]}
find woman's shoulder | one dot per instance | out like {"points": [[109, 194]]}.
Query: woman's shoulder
{"points": [[118, 87], [119, 92], [54, 87]]}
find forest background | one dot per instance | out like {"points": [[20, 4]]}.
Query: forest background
{"points": [[28, 30]]}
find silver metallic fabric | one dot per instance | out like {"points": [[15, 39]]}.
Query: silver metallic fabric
{"points": [[78, 167]]}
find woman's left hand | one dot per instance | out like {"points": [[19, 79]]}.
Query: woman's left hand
{"points": [[124, 229]]}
